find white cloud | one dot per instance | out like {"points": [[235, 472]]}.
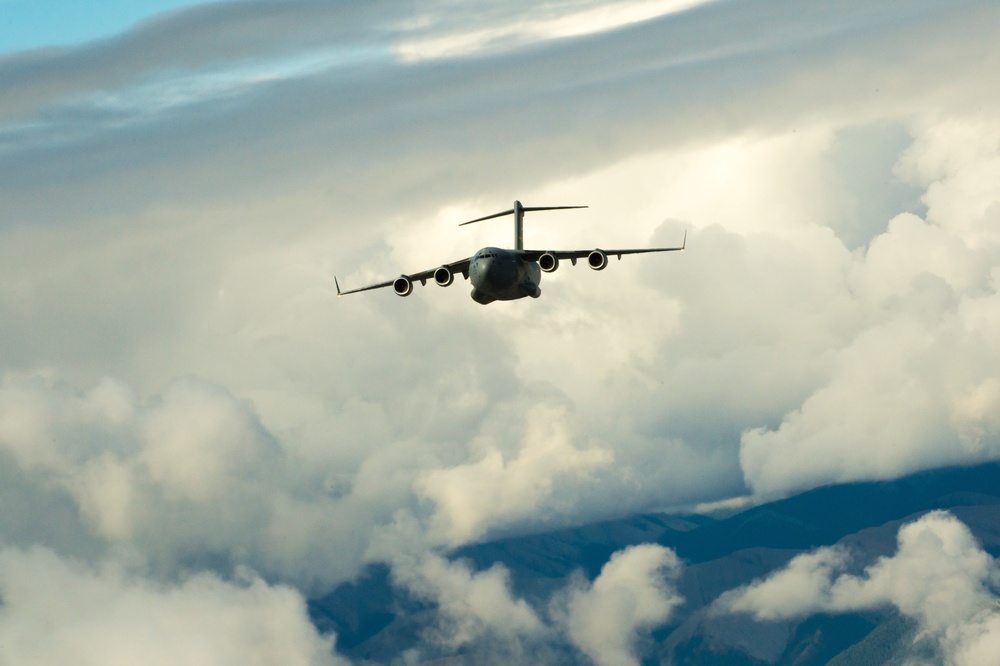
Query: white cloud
{"points": [[473, 497], [939, 575], [798, 589], [605, 619], [121, 460], [530, 24], [191, 478], [472, 607], [908, 392], [60, 611], [634, 593], [956, 158], [791, 345], [765, 327], [471, 604]]}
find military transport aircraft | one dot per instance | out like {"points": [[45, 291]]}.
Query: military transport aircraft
{"points": [[505, 275]]}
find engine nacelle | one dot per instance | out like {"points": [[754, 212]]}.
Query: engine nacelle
{"points": [[548, 262], [403, 286], [597, 260], [443, 276]]}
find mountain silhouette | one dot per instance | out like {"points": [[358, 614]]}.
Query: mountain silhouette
{"points": [[376, 621]]}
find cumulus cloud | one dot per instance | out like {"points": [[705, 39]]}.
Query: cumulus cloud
{"points": [[634, 593], [471, 605], [58, 610], [475, 610], [189, 479], [175, 201], [128, 465], [940, 576], [472, 497], [796, 590], [605, 619], [918, 371]]}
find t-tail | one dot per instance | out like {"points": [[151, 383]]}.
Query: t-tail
{"points": [[518, 212]]}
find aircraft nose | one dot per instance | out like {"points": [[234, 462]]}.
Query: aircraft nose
{"points": [[488, 268]]}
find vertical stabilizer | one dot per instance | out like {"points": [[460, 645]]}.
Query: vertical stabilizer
{"points": [[518, 211], [518, 226]]}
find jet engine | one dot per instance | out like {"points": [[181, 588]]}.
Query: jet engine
{"points": [[403, 286], [597, 260], [548, 262], [443, 276]]}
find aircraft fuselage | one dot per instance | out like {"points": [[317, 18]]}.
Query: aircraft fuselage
{"points": [[503, 275]]}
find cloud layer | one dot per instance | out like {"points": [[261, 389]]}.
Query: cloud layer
{"points": [[939, 576], [183, 392], [58, 611]]}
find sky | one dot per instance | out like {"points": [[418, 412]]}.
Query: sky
{"points": [[190, 417], [39, 24]]}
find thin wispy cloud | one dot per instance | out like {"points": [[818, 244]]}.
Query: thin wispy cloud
{"points": [[525, 25]]}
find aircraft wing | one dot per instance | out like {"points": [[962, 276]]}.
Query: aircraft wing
{"points": [[461, 266], [573, 255]]}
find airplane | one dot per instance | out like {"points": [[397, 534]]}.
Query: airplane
{"points": [[502, 274]]}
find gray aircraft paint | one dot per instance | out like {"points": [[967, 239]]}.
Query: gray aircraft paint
{"points": [[503, 275]]}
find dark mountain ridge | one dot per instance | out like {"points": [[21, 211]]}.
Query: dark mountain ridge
{"points": [[376, 621]]}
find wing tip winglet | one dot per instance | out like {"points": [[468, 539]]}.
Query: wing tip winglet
{"points": [[338, 285], [684, 242]]}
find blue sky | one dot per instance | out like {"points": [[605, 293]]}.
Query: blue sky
{"points": [[28, 24], [182, 393]]}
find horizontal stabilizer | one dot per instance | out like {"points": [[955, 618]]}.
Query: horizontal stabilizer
{"points": [[514, 210], [518, 212]]}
